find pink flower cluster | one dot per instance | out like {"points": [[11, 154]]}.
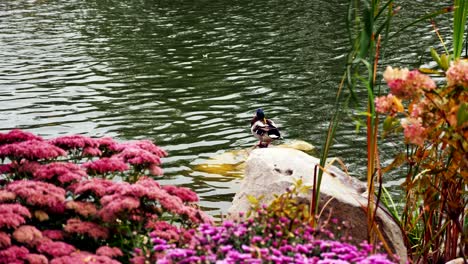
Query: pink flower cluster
{"points": [[40, 194], [13, 215], [105, 165], [17, 135], [91, 229], [64, 172], [118, 199], [414, 132], [407, 84], [389, 104], [49, 209], [31, 150], [457, 74], [75, 142]]}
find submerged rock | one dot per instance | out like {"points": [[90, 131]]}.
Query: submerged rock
{"points": [[232, 163], [271, 171]]}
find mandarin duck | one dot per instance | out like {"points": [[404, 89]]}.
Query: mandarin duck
{"points": [[264, 129]]}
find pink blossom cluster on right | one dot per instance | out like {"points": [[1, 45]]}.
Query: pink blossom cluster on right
{"points": [[412, 86]]}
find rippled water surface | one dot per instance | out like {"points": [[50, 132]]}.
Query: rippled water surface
{"points": [[186, 74]]}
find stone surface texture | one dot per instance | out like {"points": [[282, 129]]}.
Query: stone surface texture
{"points": [[271, 171]]}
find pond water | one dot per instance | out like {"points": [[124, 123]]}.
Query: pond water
{"points": [[188, 75]]}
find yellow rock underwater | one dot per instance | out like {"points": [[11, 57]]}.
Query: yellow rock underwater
{"points": [[232, 163]]}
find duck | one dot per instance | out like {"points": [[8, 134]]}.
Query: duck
{"points": [[265, 130]]}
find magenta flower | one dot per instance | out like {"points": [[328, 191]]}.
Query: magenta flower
{"points": [[110, 252], [13, 215], [111, 208], [74, 142], [93, 230], [185, 194], [17, 135], [457, 74], [138, 156], [26, 167], [6, 196], [40, 194], [6, 168], [28, 235], [13, 254], [95, 185], [91, 152], [105, 165], [31, 150], [85, 209], [164, 230], [64, 172], [36, 259], [53, 234], [55, 248], [5, 240], [146, 145]]}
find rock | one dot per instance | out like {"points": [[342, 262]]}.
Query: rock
{"points": [[456, 261], [271, 171], [232, 163]]}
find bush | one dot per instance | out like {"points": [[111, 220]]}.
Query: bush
{"points": [[435, 128], [61, 202]]}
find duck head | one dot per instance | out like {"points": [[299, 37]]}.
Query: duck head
{"points": [[260, 115]]}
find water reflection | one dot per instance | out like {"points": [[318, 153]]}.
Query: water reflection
{"points": [[186, 74]]}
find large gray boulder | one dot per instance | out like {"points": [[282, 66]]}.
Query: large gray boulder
{"points": [[271, 171]]}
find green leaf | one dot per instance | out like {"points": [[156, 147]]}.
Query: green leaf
{"points": [[459, 21], [462, 115]]}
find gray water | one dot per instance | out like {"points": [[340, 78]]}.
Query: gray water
{"points": [[188, 75]]}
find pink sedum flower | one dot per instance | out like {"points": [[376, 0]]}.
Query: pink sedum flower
{"points": [[164, 230], [414, 132], [110, 252], [146, 145], [55, 248], [53, 234], [31, 150], [40, 194], [64, 172], [36, 259], [111, 208], [105, 165], [137, 156], [74, 142], [85, 209], [6, 168], [92, 152], [13, 254], [17, 135], [28, 235], [13, 215], [95, 186], [93, 230], [457, 74], [185, 194], [6, 196], [5, 240]]}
